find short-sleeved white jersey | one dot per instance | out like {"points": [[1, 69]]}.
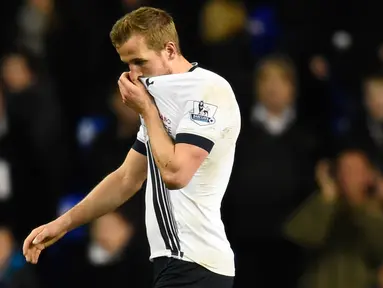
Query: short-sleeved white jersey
{"points": [[199, 108]]}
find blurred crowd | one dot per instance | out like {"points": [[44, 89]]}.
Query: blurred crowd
{"points": [[304, 207]]}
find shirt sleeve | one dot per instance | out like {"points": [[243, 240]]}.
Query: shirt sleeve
{"points": [[139, 145], [201, 124]]}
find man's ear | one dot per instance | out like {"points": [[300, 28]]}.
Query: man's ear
{"points": [[171, 50]]}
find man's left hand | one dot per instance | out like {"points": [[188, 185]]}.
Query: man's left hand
{"points": [[134, 93]]}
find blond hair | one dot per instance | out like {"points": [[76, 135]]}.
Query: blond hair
{"points": [[282, 62], [156, 25]]}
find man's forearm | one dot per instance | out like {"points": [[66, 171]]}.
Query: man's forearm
{"points": [[162, 145], [108, 195]]}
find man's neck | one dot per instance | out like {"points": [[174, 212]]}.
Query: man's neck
{"points": [[181, 65], [276, 113]]}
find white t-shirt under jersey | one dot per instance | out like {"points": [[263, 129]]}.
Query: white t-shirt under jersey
{"points": [[199, 108]]}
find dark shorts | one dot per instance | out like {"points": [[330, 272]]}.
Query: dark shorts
{"points": [[170, 272]]}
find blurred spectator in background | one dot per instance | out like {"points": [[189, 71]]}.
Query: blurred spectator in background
{"points": [[113, 142], [366, 128], [5, 157], [34, 123], [119, 247], [222, 19], [227, 50], [110, 235], [116, 253], [262, 195], [14, 271], [341, 225], [35, 20], [114, 250]]}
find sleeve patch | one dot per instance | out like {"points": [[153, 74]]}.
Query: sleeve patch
{"points": [[202, 113]]}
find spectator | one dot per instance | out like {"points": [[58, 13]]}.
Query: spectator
{"points": [[366, 128], [117, 251], [271, 176], [35, 19], [5, 156], [111, 145], [110, 235], [223, 30], [34, 121], [341, 225], [14, 272]]}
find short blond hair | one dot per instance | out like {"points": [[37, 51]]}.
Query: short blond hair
{"points": [[156, 25]]}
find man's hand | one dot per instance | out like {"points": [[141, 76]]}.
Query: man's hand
{"points": [[326, 182], [134, 93], [41, 238]]}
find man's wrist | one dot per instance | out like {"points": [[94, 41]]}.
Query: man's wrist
{"points": [[65, 222], [149, 111]]}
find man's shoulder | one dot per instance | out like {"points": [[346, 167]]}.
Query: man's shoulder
{"points": [[212, 78], [212, 87]]}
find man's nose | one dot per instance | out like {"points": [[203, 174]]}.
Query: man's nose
{"points": [[135, 73]]}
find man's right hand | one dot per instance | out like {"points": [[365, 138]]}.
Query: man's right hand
{"points": [[41, 238], [326, 182]]}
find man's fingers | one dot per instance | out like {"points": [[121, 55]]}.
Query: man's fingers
{"points": [[30, 254], [30, 238], [40, 237], [36, 255], [125, 75], [138, 83], [27, 257], [122, 87], [27, 243], [123, 94], [125, 80], [33, 255]]}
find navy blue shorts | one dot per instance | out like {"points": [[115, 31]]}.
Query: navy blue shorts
{"points": [[170, 272]]}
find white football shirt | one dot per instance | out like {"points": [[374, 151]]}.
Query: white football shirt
{"points": [[199, 108]]}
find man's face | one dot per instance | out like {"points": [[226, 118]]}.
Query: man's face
{"points": [[274, 90], [112, 232], [355, 176], [143, 61], [15, 73], [374, 99]]}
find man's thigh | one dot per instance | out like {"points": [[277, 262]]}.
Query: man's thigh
{"points": [[170, 272]]}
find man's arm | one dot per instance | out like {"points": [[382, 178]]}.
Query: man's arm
{"points": [[177, 162], [311, 223], [110, 193]]}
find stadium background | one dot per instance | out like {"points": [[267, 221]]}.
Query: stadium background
{"points": [[63, 128]]}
